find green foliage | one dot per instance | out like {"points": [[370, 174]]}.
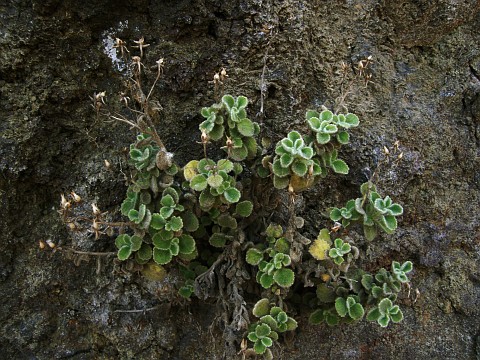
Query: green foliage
{"points": [[126, 245], [272, 321], [384, 312], [341, 248], [212, 212], [371, 210]]}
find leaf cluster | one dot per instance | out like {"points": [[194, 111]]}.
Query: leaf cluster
{"points": [[373, 211]]}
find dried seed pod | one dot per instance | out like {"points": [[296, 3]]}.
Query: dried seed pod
{"points": [[96, 210], [75, 197], [50, 244], [41, 245], [163, 160]]}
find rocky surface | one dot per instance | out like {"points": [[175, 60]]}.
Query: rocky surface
{"points": [[425, 93]]}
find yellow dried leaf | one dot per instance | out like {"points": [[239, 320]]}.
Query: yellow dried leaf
{"points": [[154, 272], [321, 245], [299, 183], [190, 170]]}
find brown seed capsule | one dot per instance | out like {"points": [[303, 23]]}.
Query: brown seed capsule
{"points": [[64, 204], [95, 225], [96, 210], [107, 164], [386, 151], [72, 226], [75, 197], [41, 244], [50, 244]]}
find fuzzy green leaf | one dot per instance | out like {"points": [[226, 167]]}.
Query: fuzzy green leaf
{"points": [[244, 208], [214, 181], [232, 195], [280, 182], [299, 167], [285, 161], [343, 137], [245, 127], [206, 199], [157, 222], [254, 256], [135, 242], [122, 240], [259, 348], [323, 138], [341, 306], [162, 257], [198, 182], [190, 221], [261, 308], [278, 169], [218, 240], [186, 244], [316, 317], [266, 280], [284, 277], [145, 252], [175, 223], [124, 252], [340, 167]]}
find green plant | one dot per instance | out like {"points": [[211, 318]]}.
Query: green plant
{"points": [[272, 321], [217, 222], [371, 210]]}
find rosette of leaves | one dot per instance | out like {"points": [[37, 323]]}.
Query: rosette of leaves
{"points": [[241, 129], [167, 245], [293, 158], [372, 210], [214, 183], [385, 312], [126, 245], [274, 271], [213, 125], [228, 120], [328, 126], [400, 271], [349, 308], [340, 249], [272, 320]]}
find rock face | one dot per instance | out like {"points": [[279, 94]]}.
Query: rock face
{"points": [[425, 94]]}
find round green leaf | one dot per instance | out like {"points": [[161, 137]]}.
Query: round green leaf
{"points": [[244, 208], [136, 242], [162, 257], [262, 330], [198, 182], [145, 252], [122, 240], [266, 280], [214, 181], [340, 167], [284, 277], [245, 127], [218, 240], [232, 195], [280, 182], [261, 308], [157, 222], [341, 306], [299, 168], [190, 221], [124, 252], [254, 256], [186, 244], [175, 223]]}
